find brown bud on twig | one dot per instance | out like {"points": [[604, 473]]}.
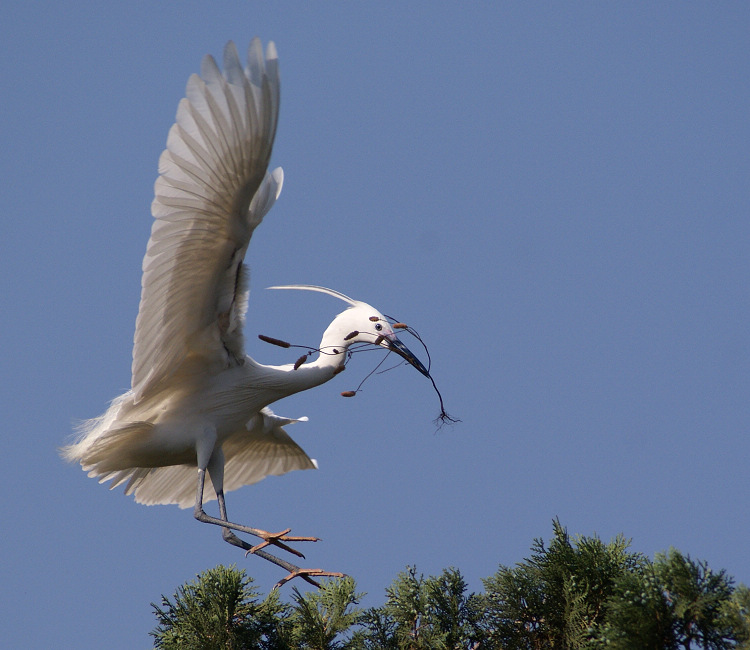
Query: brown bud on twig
{"points": [[273, 341], [374, 319], [348, 393], [400, 326], [351, 335], [300, 361], [379, 340]]}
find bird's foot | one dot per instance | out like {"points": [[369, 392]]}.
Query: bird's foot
{"points": [[307, 575], [277, 539]]}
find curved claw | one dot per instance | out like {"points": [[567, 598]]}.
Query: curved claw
{"points": [[277, 538], [306, 574]]}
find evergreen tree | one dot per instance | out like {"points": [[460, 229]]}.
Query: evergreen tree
{"points": [[572, 594], [452, 613], [219, 610], [378, 631], [675, 603], [434, 613], [557, 598], [638, 615], [323, 619], [736, 615], [696, 596]]}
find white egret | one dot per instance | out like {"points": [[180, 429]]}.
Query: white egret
{"points": [[197, 402]]}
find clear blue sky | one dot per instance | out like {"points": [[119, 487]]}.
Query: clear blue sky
{"points": [[555, 196]]}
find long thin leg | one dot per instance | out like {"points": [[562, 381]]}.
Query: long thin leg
{"points": [[229, 536], [269, 538]]}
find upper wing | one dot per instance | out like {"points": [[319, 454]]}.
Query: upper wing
{"points": [[213, 190]]}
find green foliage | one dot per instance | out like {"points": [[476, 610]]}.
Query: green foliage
{"points": [[638, 614], [570, 594], [557, 598], [452, 614], [696, 597], [378, 631], [419, 613], [220, 610], [736, 616], [322, 619], [674, 602]]}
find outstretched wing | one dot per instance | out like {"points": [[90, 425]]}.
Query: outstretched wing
{"points": [[213, 190]]}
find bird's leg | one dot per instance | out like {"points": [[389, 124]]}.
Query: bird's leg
{"points": [[276, 539], [294, 571], [269, 538], [226, 533]]}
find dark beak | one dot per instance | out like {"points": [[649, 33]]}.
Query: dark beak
{"points": [[394, 345]]}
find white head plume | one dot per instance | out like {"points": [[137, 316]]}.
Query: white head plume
{"points": [[312, 287]]}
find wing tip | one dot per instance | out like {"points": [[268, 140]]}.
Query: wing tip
{"points": [[271, 52]]}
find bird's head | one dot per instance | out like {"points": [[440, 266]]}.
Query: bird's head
{"points": [[360, 324]]}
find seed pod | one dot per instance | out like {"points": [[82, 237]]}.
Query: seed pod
{"points": [[300, 361], [374, 319], [379, 340], [351, 335], [273, 341], [348, 393], [400, 326]]}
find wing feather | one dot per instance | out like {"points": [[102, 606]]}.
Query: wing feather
{"points": [[212, 191], [265, 449]]}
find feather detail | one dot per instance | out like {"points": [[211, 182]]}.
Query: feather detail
{"points": [[265, 449], [212, 192]]}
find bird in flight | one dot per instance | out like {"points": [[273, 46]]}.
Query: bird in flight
{"points": [[197, 403]]}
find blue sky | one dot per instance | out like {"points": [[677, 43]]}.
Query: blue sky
{"points": [[555, 196]]}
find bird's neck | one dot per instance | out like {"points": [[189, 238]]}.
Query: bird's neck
{"points": [[316, 372], [309, 373]]}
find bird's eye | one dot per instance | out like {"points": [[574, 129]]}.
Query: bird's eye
{"points": [[378, 326]]}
